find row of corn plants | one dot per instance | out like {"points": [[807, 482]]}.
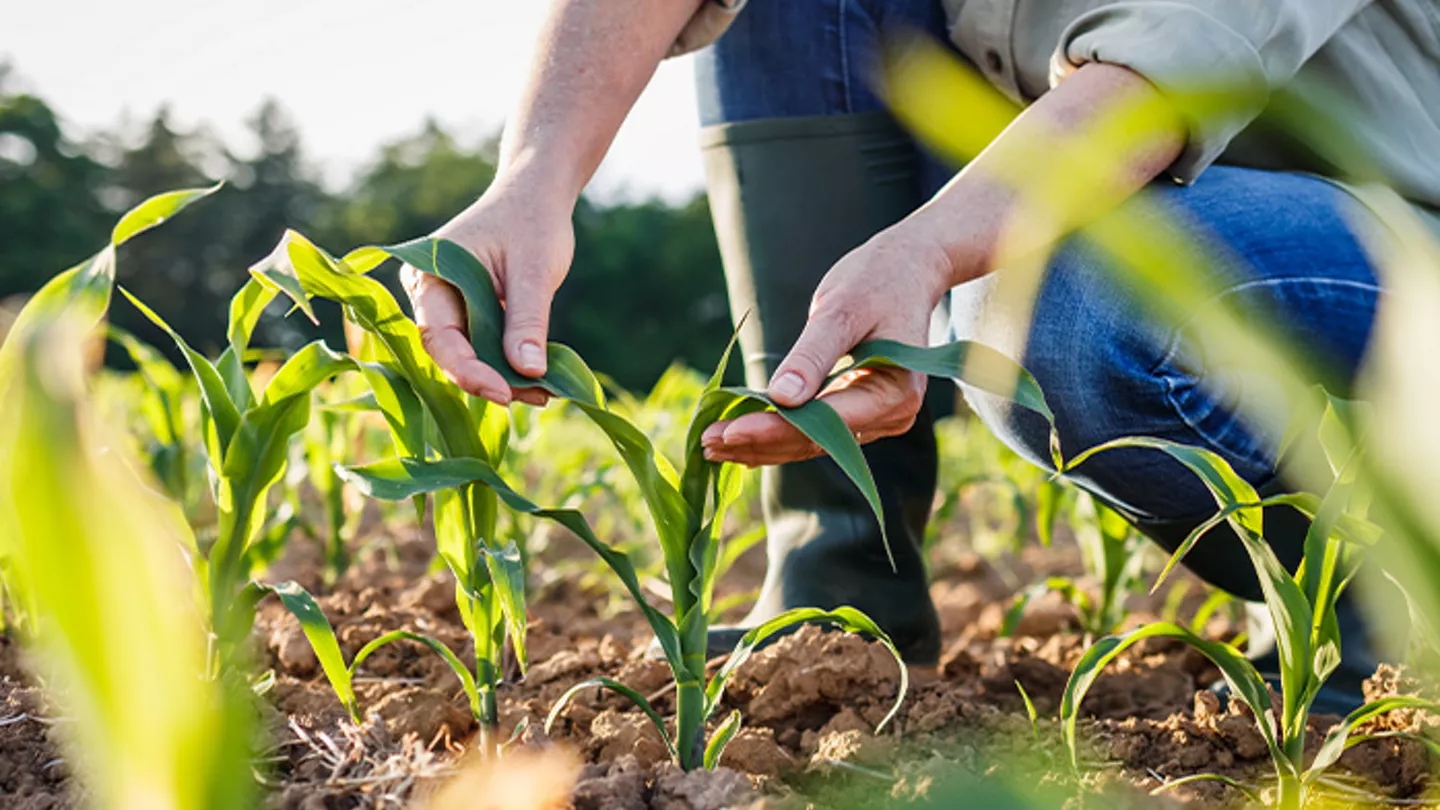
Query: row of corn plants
{"points": [[687, 503]]}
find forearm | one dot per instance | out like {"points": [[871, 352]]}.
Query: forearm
{"points": [[593, 59], [1051, 171]]}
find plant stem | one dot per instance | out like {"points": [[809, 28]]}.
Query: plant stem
{"points": [[1289, 790], [690, 723], [489, 719]]}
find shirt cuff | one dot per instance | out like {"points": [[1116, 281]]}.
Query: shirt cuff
{"points": [[1213, 74], [709, 22]]}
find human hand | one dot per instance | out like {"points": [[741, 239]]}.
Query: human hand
{"points": [[886, 288], [526, 241]]}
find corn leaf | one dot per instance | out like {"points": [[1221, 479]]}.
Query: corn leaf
{"points": [[965, 361], [369, 304], [1289, 609], [401, 479], [715, 749], [1238, 672], [845, 618], [245, 309], [467, 679], [115, 637], [1336, 741], [566, 377], [615, 686], [322, 640], [1064, 586], [507, 572], [219, 407], [1171, 784]]}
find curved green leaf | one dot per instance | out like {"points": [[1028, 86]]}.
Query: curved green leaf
{"points": [[566, 375], [245, 309], [507, 575], [1337, 740], [223, 414], [614, 686], [1239, 673], [721, 738], [1248, 793], [155, 211], [467, 680], [965, 361], [1289, 609], [321, 636], [368, 303], [846, 618], [1064, 586], [823, 426], [400, 479]]}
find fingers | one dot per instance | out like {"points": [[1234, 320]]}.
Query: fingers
{"points": [[874, 403], [527, 322], [828, 335], [440, 317]]}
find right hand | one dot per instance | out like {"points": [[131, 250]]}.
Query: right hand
{"points": [[527, 244]]}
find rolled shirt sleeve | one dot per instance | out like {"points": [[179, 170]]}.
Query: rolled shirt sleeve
{"points": [[709, 22], [1218, 60]]}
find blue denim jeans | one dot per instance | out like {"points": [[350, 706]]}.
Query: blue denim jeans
{"points": [[1108, 368]]}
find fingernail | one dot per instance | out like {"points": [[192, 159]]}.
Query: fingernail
{"points": [[532, 356], [787, 386]]}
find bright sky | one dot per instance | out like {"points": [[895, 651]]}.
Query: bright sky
{"points": [[352, 73]]}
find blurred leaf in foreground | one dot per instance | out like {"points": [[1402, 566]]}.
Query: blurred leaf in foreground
{"points": [[97, 559]]}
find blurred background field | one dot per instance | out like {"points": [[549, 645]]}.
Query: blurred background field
{"points": [[645, 251]]}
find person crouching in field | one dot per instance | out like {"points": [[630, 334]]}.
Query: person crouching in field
{"points": [[835, 228]]}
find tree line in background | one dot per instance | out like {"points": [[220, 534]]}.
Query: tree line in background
{"points": [[645, 288]]}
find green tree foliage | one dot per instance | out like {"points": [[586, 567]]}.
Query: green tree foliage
{"points": [[51, 215], [645, 290]]}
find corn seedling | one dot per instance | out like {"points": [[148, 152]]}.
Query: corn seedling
{"points": [[331, 438], [430, 418], [95, 555], [1114, 556], [162, 404], [1302, 607], [247, 442]]}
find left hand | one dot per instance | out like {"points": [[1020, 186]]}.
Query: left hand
{"points": [[886, 288]]}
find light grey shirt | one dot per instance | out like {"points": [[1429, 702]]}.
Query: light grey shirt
{"points": [[1375, 61]]}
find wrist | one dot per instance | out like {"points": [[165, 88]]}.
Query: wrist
{"points": [[546, 184]]}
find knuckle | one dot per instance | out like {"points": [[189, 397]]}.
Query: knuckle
{"points": [[430, 335], [526, 322]]}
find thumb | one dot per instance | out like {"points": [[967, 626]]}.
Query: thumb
{"points": [[527, 322], [799, 377]]}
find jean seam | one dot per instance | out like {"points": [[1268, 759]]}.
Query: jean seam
{"points": [[1169, 380], [1174, 343]]}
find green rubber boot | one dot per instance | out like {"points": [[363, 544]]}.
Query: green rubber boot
{"points": [[790, 197]]}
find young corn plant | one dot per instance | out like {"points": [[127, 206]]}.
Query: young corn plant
{"points": [[1301, 605], [432, 421], [687, 505], [162, 404], [1113, 553], [330, 438], [91, 552], [247, 443]]}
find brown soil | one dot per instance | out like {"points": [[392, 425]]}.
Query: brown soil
{"points": [[810, 704]]}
